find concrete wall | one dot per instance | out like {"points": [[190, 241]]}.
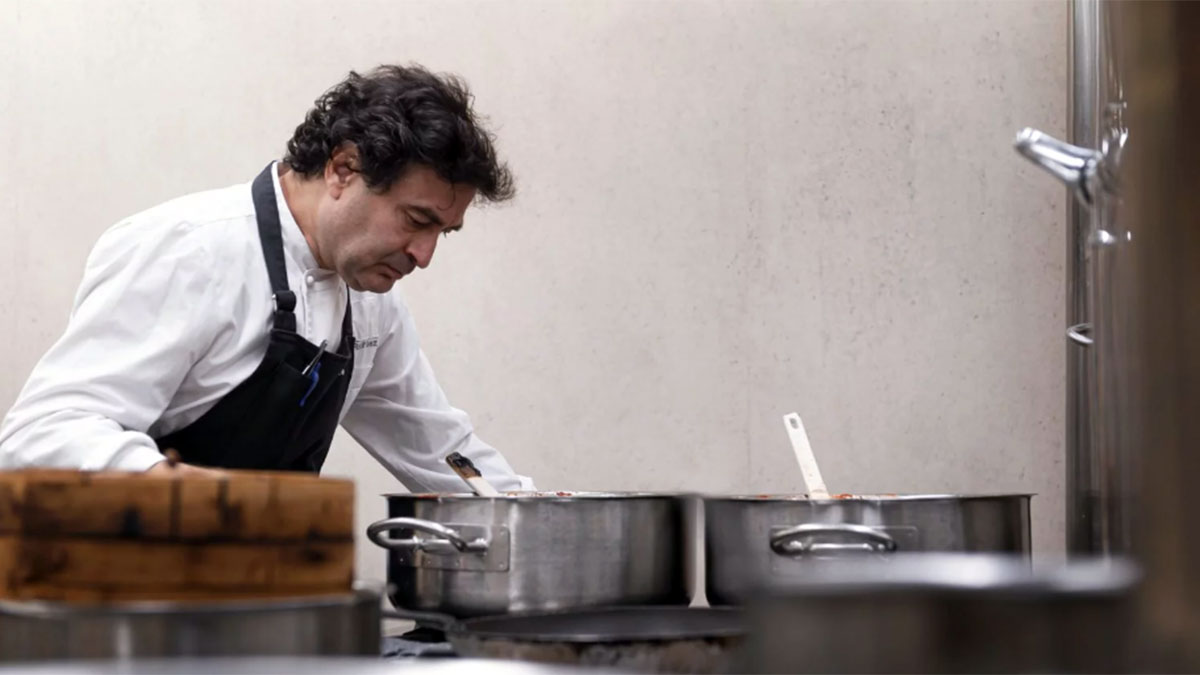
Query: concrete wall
{"points": [[728, 211]]}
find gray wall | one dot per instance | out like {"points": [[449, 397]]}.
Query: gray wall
{"points": [[728, 211]]}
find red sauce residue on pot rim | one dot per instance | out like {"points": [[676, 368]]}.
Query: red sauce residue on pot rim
{"points": [[840, 495], [519, 493], [511, 493]]}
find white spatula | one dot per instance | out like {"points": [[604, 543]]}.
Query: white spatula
{"points": [[805, 457]]}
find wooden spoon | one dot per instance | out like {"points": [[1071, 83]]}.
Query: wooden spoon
{"points": [[466, 470]]}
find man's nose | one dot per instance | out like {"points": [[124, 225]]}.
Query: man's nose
{"points": [[421, 249]]}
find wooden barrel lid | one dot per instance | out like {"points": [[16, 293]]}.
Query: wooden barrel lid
{"points": [[106, 536], [242, 505]]}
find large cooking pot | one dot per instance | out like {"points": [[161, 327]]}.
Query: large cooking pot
{"points": [[464, 555], [758, 541], [334, 625], [946, 613]]}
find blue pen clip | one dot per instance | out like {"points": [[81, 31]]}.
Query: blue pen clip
{"points": [[315, 376]]}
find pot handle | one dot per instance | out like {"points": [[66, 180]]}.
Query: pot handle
{"points": [[799, 540], [449, 541]]}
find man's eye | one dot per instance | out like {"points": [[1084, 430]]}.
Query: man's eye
{"points": [[418, 223]]}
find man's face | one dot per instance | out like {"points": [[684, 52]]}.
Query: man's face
{"points": [[372, 240]]}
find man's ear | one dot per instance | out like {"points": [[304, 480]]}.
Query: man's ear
{"points": [[341, 168]]}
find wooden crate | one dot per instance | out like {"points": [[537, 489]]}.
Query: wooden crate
{"points": [[112, 536]]}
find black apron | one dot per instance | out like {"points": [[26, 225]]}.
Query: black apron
{"points": [[284, 415]]}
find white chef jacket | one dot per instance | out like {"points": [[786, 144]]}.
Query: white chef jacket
{"points": [[174, 311]]}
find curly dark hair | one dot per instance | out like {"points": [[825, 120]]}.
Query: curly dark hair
{"points": [[398, 116]]}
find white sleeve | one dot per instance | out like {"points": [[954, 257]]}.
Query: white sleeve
{"points": [[137, 326], [401, 416]]}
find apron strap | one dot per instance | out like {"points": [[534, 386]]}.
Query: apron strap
{"points": [[348, 326], [269, 232]]}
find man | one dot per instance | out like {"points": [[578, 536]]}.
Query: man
{"points": [[240, 326]]}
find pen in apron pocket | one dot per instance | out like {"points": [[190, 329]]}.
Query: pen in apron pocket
{"points": [[313, 371]]}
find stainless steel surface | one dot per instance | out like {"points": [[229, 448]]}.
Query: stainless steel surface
{"points": [[746, 538], [571, 551], [806, 539], [1083, 98], [447, 536], [332, 625], [1098, 471], [642, 639], [295, 665], [1155, 301], [1107, 527], [1080, 334], [1098, 481], [1080, 168], [488, 547], [945, 613]]}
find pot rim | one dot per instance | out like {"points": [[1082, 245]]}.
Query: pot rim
{"points": [[536, 496], [856, 498], [362, 592], [974, 573]]}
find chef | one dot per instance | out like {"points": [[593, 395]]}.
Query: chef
{"points": [[241, 325]]}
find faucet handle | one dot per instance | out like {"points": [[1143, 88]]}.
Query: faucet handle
{"points": [[1073, 165]]}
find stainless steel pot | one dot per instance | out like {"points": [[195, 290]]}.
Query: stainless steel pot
{"points": [[759, 541], [464, 555], [328, 625], [945, 613]]}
